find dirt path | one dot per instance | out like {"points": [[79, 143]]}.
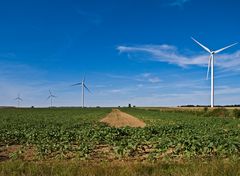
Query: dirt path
{"points": [[119, 119]]}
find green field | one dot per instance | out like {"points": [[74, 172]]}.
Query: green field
{"points": [[177, 141]]}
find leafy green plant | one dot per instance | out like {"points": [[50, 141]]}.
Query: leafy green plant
{"points": [[73, 132]]}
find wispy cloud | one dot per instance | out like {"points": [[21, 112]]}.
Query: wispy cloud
{"points": [[148, 77], [224, 96], [178, 3], [143, 77], [33, 85], [123, 90], [172, 55], [141, 89], [114, 76]]}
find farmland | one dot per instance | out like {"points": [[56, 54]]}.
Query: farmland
{"points": [[76, 135]]}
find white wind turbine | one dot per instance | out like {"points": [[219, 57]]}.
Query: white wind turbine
{"points": [[18, 99], [211, 62], [51, 96], [83, 85]]}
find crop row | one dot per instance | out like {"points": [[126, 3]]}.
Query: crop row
{"points": [[78, 131]]}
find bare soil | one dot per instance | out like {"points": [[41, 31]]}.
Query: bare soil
{"points": [[120, 119], [27, 153]]}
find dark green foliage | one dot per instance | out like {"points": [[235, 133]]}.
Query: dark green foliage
{"points": [[205, 109], [218, 112], [236, 113]]}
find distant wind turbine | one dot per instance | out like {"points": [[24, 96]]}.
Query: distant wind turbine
{"points": [[211, 62], [18, 99], [51, 96], [83, 85]]}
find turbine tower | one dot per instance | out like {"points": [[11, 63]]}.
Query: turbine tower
{"points": [[211, 64], [18, 99], [51, 96], [83, 86]]}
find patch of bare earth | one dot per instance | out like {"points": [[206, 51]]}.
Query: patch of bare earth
{"points": [[27, 153], [120, 119], [5, 151]]}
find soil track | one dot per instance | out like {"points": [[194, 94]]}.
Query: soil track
{"points": [[120, 119]]}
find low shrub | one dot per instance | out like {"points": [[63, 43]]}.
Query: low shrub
{"points": [[205, 109], [236, 113], [218, 112]]}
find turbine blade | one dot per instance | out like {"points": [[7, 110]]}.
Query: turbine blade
{"points": [[204, 47], [50, 92], [218, 51], [209, 63], [87, 88], [48, 97], [18, 98], [84, 78], [77, 84]]}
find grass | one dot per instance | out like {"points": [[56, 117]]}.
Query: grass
{"points": [[189, 168]]}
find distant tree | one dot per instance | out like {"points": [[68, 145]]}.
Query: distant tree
{"points": [[187, 106]]}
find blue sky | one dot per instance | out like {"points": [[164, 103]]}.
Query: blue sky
{"points": [[137, 52]]}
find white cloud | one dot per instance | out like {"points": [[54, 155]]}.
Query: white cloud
{"points": [[224, 96], [117, 90], [145, 89], [171, 55], [154, 80], [143, 77], [178, 3], [32, 85], [165, 53], [149, 77]]}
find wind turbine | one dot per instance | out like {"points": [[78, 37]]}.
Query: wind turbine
{"points": [[18, 99], [83, 85], [51, 96], [211, 64]]}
